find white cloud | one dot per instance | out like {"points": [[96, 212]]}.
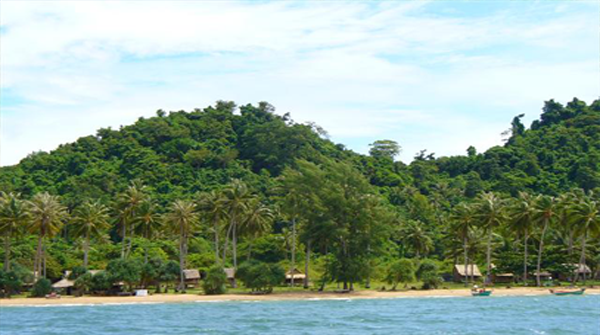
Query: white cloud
{"points": [[363, 71]]}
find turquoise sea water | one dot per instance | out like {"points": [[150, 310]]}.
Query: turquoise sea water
{"points": [[493, 315]]}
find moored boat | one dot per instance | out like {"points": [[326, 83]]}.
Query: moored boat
{"points": [[481, 293], [568, 292]]}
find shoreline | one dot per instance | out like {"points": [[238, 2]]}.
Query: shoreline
{"points": [[181, 298]]}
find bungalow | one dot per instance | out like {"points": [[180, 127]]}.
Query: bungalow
{"points": [[503, 277], [65, 285], [191, 278], [461, 276], [583, 270], [230, 273], [296, 275], [544, 275]]}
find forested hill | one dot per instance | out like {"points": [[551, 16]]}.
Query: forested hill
{"points": [[182, 153]]}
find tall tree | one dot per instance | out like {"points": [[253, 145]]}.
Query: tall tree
{"points": [[384, 149], [522, 215], [183, 219], [128, 203], [14, 216], [212, 206], [417, 238], [491, 214], [463, 218], [257, 221], [147, 223], [91, 219], [546, 210], [586, 218], [236, 199], [47, 215]]}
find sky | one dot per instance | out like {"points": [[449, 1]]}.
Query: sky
{"points": [[435, 75]]}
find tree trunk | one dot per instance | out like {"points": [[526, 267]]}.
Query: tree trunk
{"points": [[86, 249], [226, 246], [292, 271], [306, 262], [44, 257], [37, 261], [581, 260], [525, 259], [181, 261], [234, 243], [539, 258], [123, 243], [7, 252], [466, 261], [489, 259], [216, 228]]}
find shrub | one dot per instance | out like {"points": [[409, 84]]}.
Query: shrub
{"points": [[125, 270], [100, 282], [259, 276], [428, 273], [400, 271], [9, 282], [41, 287], [215, 281], [84, 282]]}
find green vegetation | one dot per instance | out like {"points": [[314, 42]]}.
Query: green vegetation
{"points": [[211, 189], [215, 281]]}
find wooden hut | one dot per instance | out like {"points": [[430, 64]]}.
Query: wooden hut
{"points": [[460, 276], [65, 285], [544, 275], [191, 278], [230, 272], [297, 275], [583, 270], [503, 277]]}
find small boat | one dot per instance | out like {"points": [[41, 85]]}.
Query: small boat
{"points": [[481, 293], [568, 292]]}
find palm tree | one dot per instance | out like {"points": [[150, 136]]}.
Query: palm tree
{"points": [[47, 216], [491, 214], [235, 201], [128, 203], [257, 221], [183, 219], [463, 218], [522, 214], [14, 215], [147, 222], [546, 210], [91, 219], [586, 218], [211, 204], [417, 238]]}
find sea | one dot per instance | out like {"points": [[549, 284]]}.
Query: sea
{"points": [[415, 316]]}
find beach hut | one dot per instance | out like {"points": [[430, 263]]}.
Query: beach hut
{"points": [[65, 285], [460, 275], [297, 275], [191, 277], [230, 272], [506, 277], [583, 269], [544, 275]]}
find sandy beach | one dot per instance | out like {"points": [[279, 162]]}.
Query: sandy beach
{"points": [[175, 298]]}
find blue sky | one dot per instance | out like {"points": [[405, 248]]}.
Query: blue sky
{"points": [[435, 75]]}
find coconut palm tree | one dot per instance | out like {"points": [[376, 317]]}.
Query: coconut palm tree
{"points": [[147, 223], [236, 197], [128, 203], [586, 219], [14, 216], [257, 221], [212, 206], [183, 219], [463, 218], [545, 213], [47, 215], [417, 238], [91, 219], [522, 214], [491, 213]]}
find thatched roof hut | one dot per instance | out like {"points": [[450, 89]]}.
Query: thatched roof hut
{"points": [[63, 284], [230, 272], [297, 275], [191, 274], [460, 275]]}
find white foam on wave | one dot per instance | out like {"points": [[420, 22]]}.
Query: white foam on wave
{"points": [[88, 304]]}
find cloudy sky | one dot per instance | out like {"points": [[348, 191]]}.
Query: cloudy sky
{"points": [[431, 75]]}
